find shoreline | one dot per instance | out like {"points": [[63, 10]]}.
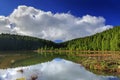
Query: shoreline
{"points": [[91, 60], [72, 51]]}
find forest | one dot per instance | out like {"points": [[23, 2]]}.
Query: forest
{"points": [[108, 40], [18, 42]]}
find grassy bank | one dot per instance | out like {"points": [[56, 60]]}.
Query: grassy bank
{"points": [[102, 63]]}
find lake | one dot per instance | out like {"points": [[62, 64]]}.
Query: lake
{"points": [[63, 65]]}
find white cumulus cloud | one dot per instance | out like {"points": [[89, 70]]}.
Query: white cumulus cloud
{"points": [[47, 25]]}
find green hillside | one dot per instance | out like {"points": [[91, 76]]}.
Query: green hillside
{"points": [[107, 40], [17, 42]]}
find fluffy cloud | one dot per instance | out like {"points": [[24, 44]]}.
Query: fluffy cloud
{"points": [[60, 26], [4, 25]]}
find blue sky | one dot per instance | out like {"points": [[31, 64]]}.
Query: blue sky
{"points": [[58, 20], [109, 9]]}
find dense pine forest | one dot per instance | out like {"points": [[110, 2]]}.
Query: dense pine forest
{"points": [[108, 40], [18, 42]]}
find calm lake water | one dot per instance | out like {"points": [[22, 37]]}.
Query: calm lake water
{"points": [[58, 60]]}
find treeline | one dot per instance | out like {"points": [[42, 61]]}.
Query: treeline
{"points": [[107, 40], [18, 42]]}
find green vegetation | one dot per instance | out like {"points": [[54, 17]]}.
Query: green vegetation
{"points": [[94, 59], [108, 40], [16, 42]]}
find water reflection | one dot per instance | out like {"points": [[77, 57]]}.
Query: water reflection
{"points": [[88, 59], [57, 69]]}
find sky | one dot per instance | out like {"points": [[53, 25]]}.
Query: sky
{"points": [[58, 19]]}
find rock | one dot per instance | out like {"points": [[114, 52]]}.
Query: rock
{"points": [[34, 77], [12, 61], [21, 71]]}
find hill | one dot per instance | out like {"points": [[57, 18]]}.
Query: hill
{"points": [[107, 40], [18, 42]]}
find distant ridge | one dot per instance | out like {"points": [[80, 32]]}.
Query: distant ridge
{"points": [[18, 42], [108, 40]]}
